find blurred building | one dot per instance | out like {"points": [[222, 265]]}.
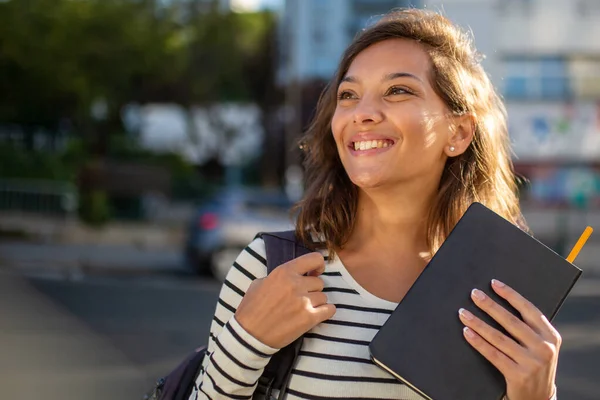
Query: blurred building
{"points": [[544, 57], [314, 33]]}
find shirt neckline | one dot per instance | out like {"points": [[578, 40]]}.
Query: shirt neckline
{"points": [[370, 297]]}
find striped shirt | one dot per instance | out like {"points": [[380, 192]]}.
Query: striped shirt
{"points": [[334, 361]]}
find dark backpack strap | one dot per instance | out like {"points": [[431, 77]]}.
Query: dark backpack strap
{"points": [[281, 247], [180, 382]]}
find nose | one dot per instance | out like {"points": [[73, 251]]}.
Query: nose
{"points": [[367, 111]]}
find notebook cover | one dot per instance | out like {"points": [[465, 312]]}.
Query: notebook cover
{"points": [[422, 342]]}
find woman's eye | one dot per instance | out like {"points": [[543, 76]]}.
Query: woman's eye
{"points": [[396, 90], [345, 95]]}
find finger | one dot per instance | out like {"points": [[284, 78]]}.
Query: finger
{"points": [[316, 272], [312, 283], [530, 313], [317, 298], [323, 313], [498, 359], [313, 263], [494, 337], [513, 325]]}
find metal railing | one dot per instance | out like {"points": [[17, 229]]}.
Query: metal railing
{"points": [[38, 196]]}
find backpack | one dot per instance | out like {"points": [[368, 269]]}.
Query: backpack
{"points": [[281, 247]]}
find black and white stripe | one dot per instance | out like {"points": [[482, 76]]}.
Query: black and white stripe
{"points": [[334, 361]]}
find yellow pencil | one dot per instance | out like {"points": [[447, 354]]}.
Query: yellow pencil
{"points": [[579, 245]]}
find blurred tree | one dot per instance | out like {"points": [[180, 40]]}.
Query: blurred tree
{"points": [[75, 60], [260, 68], [74, 64], [230, 57], [82, 60]]}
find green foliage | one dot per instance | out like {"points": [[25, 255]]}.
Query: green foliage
{"points": [[123, 148], [94, 208], [20, 163], [60, 57], [63, 55]]}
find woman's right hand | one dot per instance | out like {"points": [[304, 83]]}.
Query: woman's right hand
{"points": [[280, 308]]}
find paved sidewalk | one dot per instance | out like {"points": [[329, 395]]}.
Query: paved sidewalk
{"points": [[87, 259], [48, 353]]}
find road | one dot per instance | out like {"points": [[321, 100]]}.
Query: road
{"points": [[100, 338], [96, 339]]}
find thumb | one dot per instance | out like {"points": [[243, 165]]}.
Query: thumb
{"points": [[312, 264], [317, 272], [324, 312]]}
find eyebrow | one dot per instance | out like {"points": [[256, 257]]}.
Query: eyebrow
{"points": [[388, 77]]}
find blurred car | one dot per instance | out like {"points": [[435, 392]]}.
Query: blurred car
{"points": [[228, 221]]}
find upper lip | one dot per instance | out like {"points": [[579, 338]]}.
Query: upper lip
{"points": [[365, 136]]}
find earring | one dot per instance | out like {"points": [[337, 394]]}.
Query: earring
{"points": [[452, 148]]}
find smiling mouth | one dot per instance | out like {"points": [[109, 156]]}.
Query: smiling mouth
{"points": [[371, 144]]}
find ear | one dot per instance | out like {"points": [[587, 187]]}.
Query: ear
{"points": [[461, 135]]}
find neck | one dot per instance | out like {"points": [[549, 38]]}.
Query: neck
{"points": [[394, 219]]}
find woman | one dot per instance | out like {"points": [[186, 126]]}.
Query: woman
{"points": [[407, 135]]}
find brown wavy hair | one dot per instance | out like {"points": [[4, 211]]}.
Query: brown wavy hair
{"points": [[483, 173]]}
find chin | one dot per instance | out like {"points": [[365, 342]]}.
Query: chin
{"points": [[367, 181]]}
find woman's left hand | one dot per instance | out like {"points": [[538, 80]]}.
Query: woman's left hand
{"points": [[529, 363]]}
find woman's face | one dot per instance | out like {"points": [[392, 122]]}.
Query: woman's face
{"points": [[389, 125]]}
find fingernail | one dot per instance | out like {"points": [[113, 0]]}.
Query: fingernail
{"points": [[465, 314], [478, 294], [468, 332], [497, 283]]}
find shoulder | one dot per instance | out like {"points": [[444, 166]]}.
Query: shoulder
{"points": [[257, 249], [251, 263]]}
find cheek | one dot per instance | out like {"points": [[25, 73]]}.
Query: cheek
{"points": [[421, 128], [337, 127]]}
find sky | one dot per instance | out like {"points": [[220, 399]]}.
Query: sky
{"points": [[254, 5]]}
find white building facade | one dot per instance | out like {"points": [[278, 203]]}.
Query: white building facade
{"points": [[544, 57], [314, 33]]}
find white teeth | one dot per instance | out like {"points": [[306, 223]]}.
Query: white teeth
{"points": [[371, 144]]}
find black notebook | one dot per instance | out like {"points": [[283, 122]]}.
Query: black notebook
{"points": [[422, 343]]}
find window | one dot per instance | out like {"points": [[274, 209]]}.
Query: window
{"points": [[536, 78], [588, 8], [319, 26], [515, 7], [586, 77]]}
